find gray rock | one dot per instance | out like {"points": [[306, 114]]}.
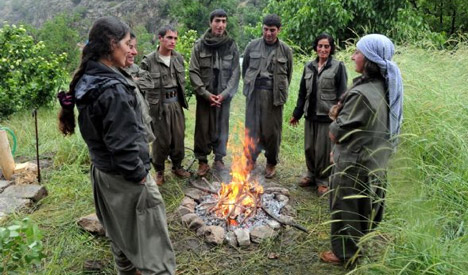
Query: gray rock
{"points": [[91, 224], [201, 231], [273, 224], [214, 234], [261, 232], [243, 237], [188, 202], [279, 190], [230, 238], [26, 191], [196, 223], [187, 219], [288, 210], [282, 198], [183, 210], [4, 184], [10, 205]]}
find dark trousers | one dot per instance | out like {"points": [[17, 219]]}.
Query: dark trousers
{"points": [[169, 130], [317, 147], [356, 205], [211, 129], [264, 124]]}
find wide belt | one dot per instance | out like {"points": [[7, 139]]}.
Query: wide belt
{"points": [[169, 95], [263, 84]]}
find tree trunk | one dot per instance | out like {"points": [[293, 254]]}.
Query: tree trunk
{"points": [[454, 16]]}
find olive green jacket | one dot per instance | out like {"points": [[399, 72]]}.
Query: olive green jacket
{"points": [[361, 128], [283, 69], [159, 74], [201, 71]]}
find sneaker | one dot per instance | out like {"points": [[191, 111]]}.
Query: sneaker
{"points": [[203, 169], [321, 190], [306, 181], [270, 171], [160, 178], [218, 165], [181, 173], [329, 257]]}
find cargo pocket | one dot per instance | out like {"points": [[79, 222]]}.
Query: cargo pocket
{"points": [[150, 196], [282, 65]]}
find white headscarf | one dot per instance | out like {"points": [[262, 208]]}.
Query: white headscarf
{"points": [[379, 49]]}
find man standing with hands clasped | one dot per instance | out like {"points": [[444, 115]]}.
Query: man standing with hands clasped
{"points": [[267, 70], [214, 74]]}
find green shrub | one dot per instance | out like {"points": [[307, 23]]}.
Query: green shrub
{"points": [[29, 76], [184, 47], [20, 246]]}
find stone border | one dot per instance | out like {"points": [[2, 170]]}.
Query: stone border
{"points": [[240, 237]]}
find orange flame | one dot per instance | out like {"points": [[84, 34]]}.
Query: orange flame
{"points": [[242, 194]]}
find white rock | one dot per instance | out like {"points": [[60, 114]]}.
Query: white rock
{"points": [[214, 234], [260, 233], [243, 237]]}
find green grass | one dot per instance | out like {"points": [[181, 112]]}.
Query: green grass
{"points": [[424, 230]]}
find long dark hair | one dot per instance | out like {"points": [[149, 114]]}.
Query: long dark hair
{"points": [[106, 32]]}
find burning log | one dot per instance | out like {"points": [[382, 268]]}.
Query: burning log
{"points": [[297, 226]]}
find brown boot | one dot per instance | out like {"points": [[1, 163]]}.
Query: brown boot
{"points": [[329, 257], [160, 178], [270, 171], [306, 181], [321, 190], [181, 173], [218, 165], [203, 169]]}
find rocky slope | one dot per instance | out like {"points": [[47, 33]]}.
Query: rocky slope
{"points": [[36, 12]]}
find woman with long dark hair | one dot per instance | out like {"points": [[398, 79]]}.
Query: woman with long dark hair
{"points": [[366, 124], [323, 82], [127, 200]]}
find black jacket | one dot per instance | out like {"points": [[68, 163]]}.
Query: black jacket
{"points": [[111, 123]]}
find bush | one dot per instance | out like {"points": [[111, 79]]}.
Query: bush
{"points": [[29, 76], [184, 47], [20, 246]]}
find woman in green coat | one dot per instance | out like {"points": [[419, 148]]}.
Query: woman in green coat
{"points": [[366, 123]]}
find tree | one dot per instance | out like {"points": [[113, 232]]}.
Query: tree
{"points": [[29, 75]]}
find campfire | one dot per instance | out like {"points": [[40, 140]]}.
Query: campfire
{"points": [[240, 199], [240, 206]]}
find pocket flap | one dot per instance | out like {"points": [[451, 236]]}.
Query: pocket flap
{"points": [[282, 60], [328, 96], [205, 54], [228, 57], [308, 75], [255, 55], [155, 75]]}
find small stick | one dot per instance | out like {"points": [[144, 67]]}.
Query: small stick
{"points": [[297, 226]]}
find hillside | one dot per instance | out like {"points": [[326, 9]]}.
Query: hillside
{"points": [[36, 12]]}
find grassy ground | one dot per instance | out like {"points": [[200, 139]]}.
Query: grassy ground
{"points": [[424, 230]]}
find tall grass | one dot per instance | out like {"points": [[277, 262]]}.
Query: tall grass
{"points": [[425, 231]]}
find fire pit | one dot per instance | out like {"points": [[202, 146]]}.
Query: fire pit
{"points": [[237, 211]]}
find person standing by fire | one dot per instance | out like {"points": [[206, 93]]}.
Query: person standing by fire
{"points": [[133, 73], [127, 200], [365, 127], [322, 83], [214, 74], [267, 71], [167, 100]]}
